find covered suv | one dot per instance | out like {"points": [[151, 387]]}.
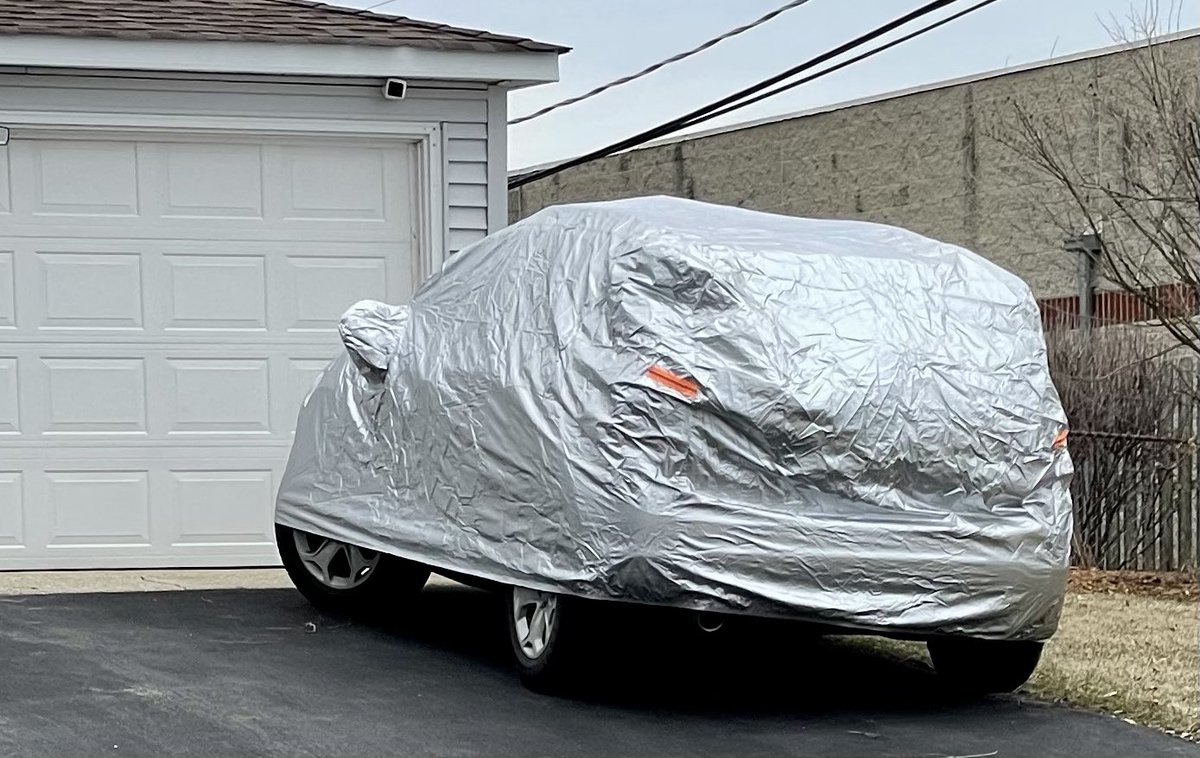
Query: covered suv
{"points": [[666, 402]]}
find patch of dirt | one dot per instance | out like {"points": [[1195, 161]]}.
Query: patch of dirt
{"points": [[1164, 585]]}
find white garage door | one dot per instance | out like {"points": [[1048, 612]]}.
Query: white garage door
{"points": [[166, 301]]}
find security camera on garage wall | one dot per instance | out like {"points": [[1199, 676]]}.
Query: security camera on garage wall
{"points": [[395, 89]]}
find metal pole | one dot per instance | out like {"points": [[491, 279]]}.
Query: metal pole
{"points": [[1087, 249]]}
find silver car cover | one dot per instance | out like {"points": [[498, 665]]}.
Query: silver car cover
{"points": [[663, 401]]}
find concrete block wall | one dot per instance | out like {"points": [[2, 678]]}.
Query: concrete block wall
{"points": [[932, 161]]}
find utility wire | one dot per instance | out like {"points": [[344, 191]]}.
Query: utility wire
{"points": [[697, 116], [379, 5], [661, 64], [838, 67]]}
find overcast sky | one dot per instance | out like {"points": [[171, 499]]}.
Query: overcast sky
{"points": [[615, 37]]}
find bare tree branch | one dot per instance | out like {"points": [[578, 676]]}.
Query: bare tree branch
{"points": [[1145, 207]]}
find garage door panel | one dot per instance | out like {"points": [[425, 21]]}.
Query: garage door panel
{"points": [[10, 401], [198, 506], [110, 168], [76, 290], [12, 508], [130, 453], [99, 508], [206, 230], [218, 396], [116, 394], [320, 289], [215, 292], [104, 513], [364, 186], [334, 189], [88, 291], [94, 395], [8, 310], [303, 374], [210, 181], [5, 182], [221, 508]]}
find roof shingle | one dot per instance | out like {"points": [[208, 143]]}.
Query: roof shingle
{"points": [[294, 21]]}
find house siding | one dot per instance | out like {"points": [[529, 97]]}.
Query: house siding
{"points": [[467, 182]]}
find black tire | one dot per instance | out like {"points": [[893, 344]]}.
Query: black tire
{"points": [[554, 667], [390, 580], [983, 667]]}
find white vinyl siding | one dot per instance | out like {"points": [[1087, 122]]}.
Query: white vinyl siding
{"points": [[466, 180]]}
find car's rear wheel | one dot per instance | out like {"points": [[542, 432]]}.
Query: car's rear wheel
{"points": [[346, 579], [980, 667], [543, 632]]}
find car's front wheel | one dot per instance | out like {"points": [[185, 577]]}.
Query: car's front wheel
{"points": [[346, 579], [544, 634], [981, 667]]}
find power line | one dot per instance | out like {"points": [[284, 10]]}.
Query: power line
{"points": [[838, 67], [698, 115], [694, 116], [379, 5], [661, 64]]}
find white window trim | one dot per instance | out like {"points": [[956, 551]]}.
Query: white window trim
{"points": [[431, 212], [497, 136]]}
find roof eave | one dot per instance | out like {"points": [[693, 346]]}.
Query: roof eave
{"points": [[515, 69]]}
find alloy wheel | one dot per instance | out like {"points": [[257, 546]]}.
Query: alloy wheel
{"points": [[335, 564], [534, 617]]}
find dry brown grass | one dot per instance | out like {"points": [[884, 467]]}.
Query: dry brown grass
{"points": [[1136, 657], [1132, 656]]}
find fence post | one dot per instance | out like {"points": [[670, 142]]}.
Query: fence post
{"points": [[1087, 249]]}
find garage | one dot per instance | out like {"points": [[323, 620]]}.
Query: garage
{"points": [[176, 246]]}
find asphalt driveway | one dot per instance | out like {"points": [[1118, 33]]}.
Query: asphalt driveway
{"points": [[258, 672]]}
